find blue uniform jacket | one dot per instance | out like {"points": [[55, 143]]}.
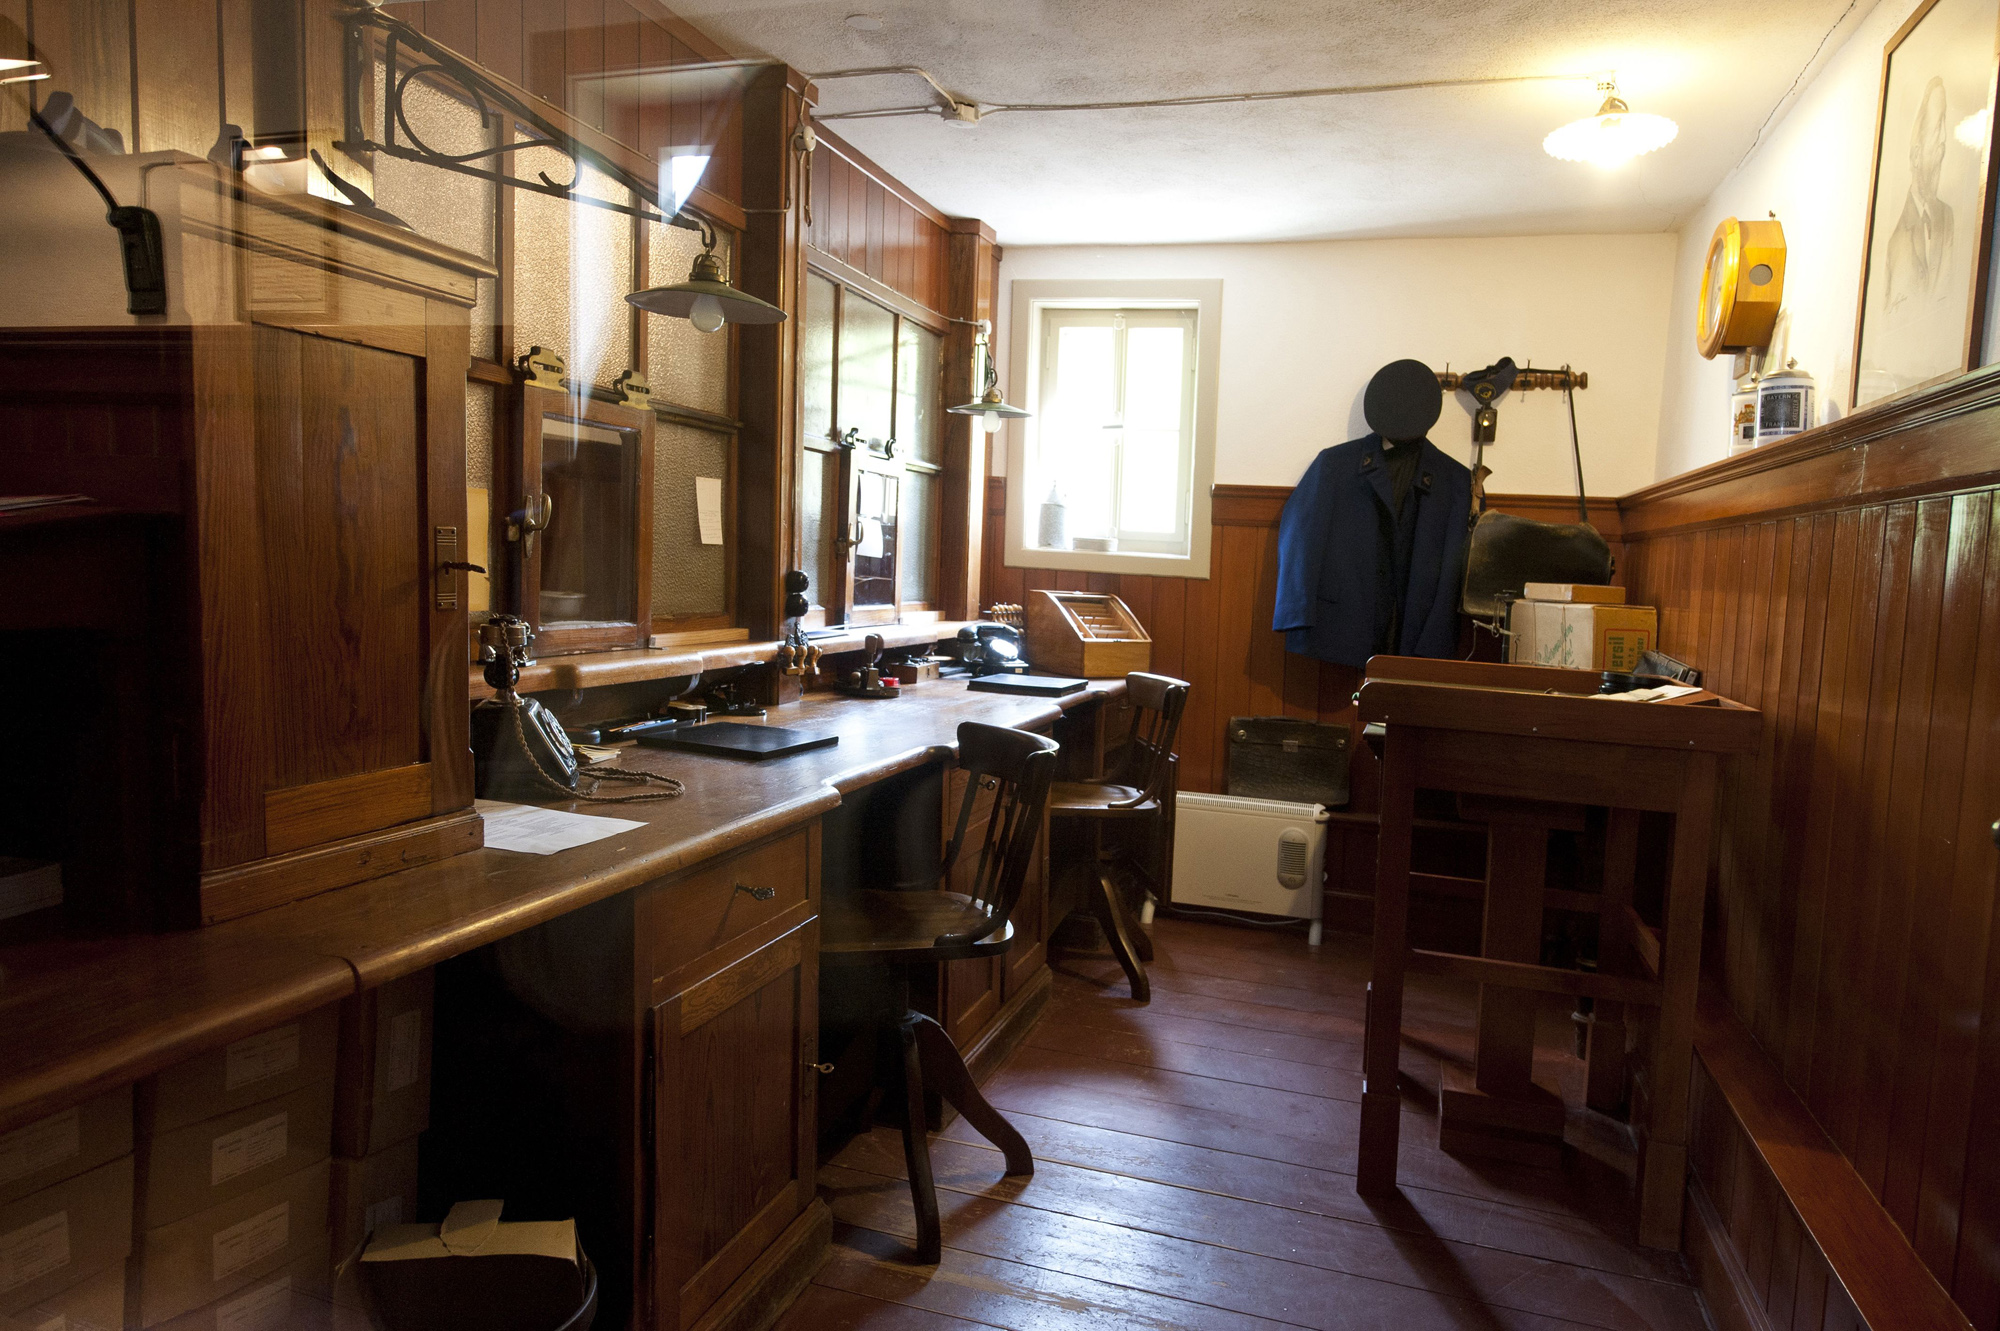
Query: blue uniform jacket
{"points": [[1328, 543]]}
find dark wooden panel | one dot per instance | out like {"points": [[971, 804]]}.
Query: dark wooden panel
{"points": [[178, 98], [498, 39], [339, 474]]}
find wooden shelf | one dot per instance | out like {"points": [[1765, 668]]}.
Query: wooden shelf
{"points": [[595, 669]]}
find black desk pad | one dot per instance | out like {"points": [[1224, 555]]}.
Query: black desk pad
{"points": [[1028, 686], [735, 739]]}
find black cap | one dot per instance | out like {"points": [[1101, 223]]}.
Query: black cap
{"points": [[1403, 401]]}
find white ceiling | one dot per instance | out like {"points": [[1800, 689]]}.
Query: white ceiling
{"points": [[1456, 161]]}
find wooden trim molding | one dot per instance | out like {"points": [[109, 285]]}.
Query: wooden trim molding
{"points": [[1891, 1287], [1939, 442], [1260, 506]]}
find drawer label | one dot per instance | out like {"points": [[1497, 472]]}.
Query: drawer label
{"points": [[36, 1147], [261, 1057], [34, 1250], [237, 1153], [265, 1308], [250, 1241], [402, 1052]]}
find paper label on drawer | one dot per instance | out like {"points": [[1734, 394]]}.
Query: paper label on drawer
{"points": [[34, 1148], [34, 1250], [265, 1308], [402, 1053], [236, 1153], [388, 1211], [258, 1237], [260, 1057]]}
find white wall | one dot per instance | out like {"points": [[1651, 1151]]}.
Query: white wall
{"points": [[1812, 170], [1306, 323]]}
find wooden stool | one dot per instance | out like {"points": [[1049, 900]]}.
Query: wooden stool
{"points": [[902, 929], [1136, 786]]}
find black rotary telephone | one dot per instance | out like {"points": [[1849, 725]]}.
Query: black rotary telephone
{"points": [[519, 751]]}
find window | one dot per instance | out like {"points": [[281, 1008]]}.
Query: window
{"points": [[1116, 441], [1111, 473], [871, 455]]}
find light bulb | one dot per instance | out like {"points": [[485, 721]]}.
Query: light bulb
{"points": [[1612, 137], [991, 421], [706, 314]]}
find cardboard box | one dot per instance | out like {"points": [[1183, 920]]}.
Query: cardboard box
{"points": [[294, 1299], [371, 1193], [253, 1069], [51, 1239], [1594, 593], [64, 1145], [214, 1253], [204, 1164], [473, 1273], [1588, 637], [95, 1303], [383, 1092]]}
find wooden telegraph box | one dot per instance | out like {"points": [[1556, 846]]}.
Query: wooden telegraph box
{"points": [[1092, 634], [294, 422]]}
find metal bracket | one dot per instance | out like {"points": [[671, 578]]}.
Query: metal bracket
{"points": [[409, 56]]}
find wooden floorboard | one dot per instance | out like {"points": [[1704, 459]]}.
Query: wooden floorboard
{"points": [[1194, 1169]]}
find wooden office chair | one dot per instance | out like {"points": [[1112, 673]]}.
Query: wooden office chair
{"points": [[909, 928], [1136, 786]]}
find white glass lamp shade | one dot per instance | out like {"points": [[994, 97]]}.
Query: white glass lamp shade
{"points": [[1612, 137]]}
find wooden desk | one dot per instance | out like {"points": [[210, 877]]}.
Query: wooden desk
{"points": [[685, 973], [1527, 739]]}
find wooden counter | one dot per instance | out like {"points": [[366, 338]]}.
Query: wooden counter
{"points": [[78, 1017]]}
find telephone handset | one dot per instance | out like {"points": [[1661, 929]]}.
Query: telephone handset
{"points": [[519, 750]]}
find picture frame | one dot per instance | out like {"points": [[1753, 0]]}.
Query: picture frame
{"points": [[1920, 316]]}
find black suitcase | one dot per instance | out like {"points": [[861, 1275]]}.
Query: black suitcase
{"points": [[1283, 758]]}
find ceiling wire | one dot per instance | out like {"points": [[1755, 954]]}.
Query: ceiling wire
{"points": [[951, 101]]}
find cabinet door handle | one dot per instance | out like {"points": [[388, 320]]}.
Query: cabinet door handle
{"points": [[823, 1069], [757, 893]]}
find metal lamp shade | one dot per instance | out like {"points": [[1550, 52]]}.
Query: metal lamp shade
{"points": [[706, 279], [993, 403]]}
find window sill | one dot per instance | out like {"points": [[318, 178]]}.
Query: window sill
{"points": [[1111, 561]]}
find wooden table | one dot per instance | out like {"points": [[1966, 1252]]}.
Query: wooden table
{"points": [[1523, 746]]}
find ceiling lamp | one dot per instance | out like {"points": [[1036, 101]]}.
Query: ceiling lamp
{"points": [[1612, 137], [990, 407], [706, 299]]}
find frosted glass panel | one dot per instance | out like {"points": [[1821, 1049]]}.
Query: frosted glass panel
{"points": [[918, 371], [447, 207], [816, 359], [479, 434], [920, 523], [685, 366], [689, 578], [819, 508], [867, 350], [573, 270]]}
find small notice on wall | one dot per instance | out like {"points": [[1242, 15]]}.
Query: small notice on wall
{"points": [[708, 508]]}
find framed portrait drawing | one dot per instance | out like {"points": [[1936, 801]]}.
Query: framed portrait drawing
{"points": [[1924, 269]]}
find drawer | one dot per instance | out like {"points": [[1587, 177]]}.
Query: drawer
{"points": [[692, 916]]}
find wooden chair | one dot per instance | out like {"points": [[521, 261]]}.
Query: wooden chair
{"points": [[904, 929], [1136, 786]]}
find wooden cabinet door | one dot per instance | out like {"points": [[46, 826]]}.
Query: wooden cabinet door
{"points": [[335, 664], [733, 1120]]}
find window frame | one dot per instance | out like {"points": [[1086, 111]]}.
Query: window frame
{"points": [[897, 460], [1030, 301]]}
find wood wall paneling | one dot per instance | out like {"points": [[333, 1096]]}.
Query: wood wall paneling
{"points": [[1850, 588]]}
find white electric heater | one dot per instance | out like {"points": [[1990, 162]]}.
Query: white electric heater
{"points": [[1266, 857]]}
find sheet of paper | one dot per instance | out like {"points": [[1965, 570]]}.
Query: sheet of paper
{"points": [[535, 831], [1664, 693], [708, 508]]}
